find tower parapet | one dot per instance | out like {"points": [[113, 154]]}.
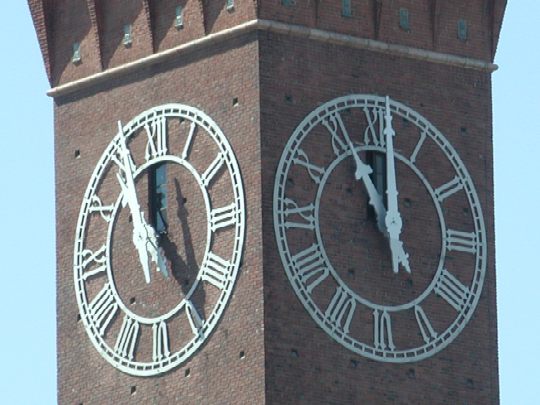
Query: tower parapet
{"points": [[82, 38]]}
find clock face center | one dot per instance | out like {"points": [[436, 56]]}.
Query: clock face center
{"points": [[182, 243], [360, 253]]}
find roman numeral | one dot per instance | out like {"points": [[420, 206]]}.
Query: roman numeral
{"points": [[310, 266], [447, 189], [195, 320], [157, 138], [160, 348], [127, 338], [341, 309], [103, 309], [314, 171], [418, 146], [95, 205], [189, 140], [98, 257], [341, 142], [382, 330], [305, 216], [461, 241], [223, 217], [374, 132], [216, 270], [451, 290], [213, 169], [427, 331]]}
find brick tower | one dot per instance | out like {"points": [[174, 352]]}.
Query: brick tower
{"points": [[287, 201]]}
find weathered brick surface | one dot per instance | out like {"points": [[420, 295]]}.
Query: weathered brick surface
{"points": [[277, 80]]}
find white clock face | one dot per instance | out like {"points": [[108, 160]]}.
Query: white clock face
{"points": [[379, 228], [159, 239]]}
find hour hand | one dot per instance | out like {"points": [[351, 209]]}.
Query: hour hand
{"points": [[375, 200]]}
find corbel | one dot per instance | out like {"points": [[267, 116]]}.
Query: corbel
{"points": [[148, 7], [377, 14], [95, 13], [42, 17], [435, 13]]}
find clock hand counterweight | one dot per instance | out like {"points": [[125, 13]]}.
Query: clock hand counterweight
{"points": [[393, 219], [144, 235]]}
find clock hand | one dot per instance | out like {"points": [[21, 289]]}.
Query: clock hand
{"points": [[393, 219], [139, 232], [144, 236]]}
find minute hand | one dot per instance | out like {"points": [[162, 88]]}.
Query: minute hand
{"points": [[393, 218]]}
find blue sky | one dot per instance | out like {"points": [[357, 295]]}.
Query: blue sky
{"points": [[27, 291]]}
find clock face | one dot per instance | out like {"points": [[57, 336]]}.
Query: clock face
{"points": [[159, 239], [379, 228]]}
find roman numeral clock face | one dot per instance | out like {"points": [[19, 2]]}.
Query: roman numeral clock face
{"points": [[159, 239], [379, 228]]}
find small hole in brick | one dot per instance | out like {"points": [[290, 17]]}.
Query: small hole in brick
{"points": [[407, 202], [77, 153], [130, 219], [186, 282], [184, 200], [409, 282], [290, 181], [182, 120], [349, 190], [351, 272], [411, 373], [133, 389], [235, 101], [405, 121], [187, 372], [294, 353], [132, 300], [422, 105], [470, 383], [242, 354], [463, 130], [354, 363], [241, 263], [288, 98], [466, 211], [78, 317]]}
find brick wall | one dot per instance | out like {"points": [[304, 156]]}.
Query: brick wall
{"points": [[277, 80], [304, 365]]}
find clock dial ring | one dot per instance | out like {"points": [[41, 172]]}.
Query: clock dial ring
{"points": [[298, 269], [124, 353]]}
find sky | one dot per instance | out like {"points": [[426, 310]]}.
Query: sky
{"points": [[27, 239]]}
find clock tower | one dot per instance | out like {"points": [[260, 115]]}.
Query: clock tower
{"points": [[273, 201]]}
